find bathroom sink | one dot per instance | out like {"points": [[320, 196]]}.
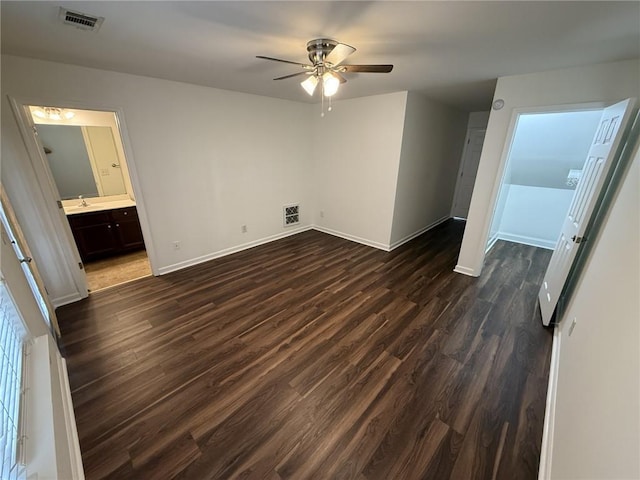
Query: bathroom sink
{"points": [[97, 207]]}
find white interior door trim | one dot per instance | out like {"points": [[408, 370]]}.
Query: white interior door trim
{"points": [[56, 230], [481, 247], [60, 232]]}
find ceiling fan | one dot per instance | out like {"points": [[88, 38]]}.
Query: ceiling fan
{"points": [[326, 67]]}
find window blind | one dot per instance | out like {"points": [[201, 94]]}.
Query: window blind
{"points": [[12, 339]]}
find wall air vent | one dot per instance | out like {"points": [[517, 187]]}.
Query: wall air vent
{"points": [[80, 20], [291, 215]]}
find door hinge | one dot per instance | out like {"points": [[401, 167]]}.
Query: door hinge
{"points": [[578, 239], [35, 131], [59, 203], [80, 265]]}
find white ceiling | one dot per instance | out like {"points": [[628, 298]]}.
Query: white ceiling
{"points": [[451, 51]]}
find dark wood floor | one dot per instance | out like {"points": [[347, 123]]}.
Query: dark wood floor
{"points": [[316, 357]]}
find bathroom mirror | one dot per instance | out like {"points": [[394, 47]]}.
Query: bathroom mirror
{"points": [[84, 153], [83, 160]]}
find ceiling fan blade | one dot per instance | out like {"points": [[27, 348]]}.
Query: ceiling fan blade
{"points": [[340, 77], [293, 75], [339, 54], [284, 61], [366, 68]]}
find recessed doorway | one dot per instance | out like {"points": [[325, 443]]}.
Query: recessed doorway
{"points": [[544, 164], [86, 162]]}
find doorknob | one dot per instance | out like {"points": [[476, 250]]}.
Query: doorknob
{"points": [[114, 165], [577, 239]]}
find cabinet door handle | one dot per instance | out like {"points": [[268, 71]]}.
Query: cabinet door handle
{"points": [[108, 226], [117, 224]]}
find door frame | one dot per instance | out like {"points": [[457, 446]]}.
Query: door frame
{"points": [[506, 152], [60, 231]]}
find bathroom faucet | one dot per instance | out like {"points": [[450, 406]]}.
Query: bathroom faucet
{"points": [[84, 202]]}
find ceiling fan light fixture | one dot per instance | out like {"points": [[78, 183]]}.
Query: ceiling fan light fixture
{"points": [[330, 84], [310, 84]]}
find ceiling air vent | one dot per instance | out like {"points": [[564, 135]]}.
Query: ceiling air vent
{"points": [[80, 20]]}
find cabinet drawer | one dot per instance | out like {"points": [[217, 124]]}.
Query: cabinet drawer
{"points": [[121, 214], [88, 219]]}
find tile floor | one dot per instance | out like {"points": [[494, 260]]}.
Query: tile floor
{"points": [[116, 270]]}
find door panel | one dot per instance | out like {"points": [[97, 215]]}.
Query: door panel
{"points": [[28, 263], [597, 166], [466, 181]]}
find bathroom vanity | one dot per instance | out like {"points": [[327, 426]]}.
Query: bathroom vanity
{"points": [[106, 233]]}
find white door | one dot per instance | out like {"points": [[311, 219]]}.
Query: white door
{"points": [[599, 159], [103, 155], [468, 171], [21, 249]]}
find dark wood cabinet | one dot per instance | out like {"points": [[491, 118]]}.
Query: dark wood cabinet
{"points": [[106, 233]]}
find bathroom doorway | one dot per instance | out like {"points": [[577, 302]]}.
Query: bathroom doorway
{"points": [[544, 164], [86, 160]]}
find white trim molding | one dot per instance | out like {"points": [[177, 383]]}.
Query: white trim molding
{"points": [[465, 271], [66, 299], [228, 251], [546, 450], [532, 241], [410, 237], [75, 455], [370, 243]]}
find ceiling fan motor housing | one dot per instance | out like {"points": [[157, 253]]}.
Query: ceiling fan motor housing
{"points": [[319, 49]]}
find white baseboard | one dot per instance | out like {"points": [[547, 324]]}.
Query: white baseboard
{"points": [[408, 238], [353, 238], [533, 241], [465, 271], [228, 251], [370, 243], [70, 422], [66, 299], [546, 450], [492, 241]]}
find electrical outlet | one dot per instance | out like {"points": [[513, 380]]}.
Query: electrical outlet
{"points": [[176, 245], [243, 229]]}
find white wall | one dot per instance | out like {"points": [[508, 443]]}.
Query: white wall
{"points": [[207, 161], [357, 153], [547, 145], [432, 142], [594, 83], [533, 215], [596, 433]]}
